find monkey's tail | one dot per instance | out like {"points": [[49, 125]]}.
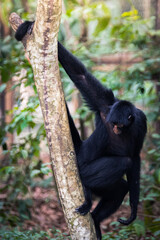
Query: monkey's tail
{"points": [[74, 132]]}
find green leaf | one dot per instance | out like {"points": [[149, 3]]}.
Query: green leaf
{"points": [[45, 170], [2, 87], [157, 174], [23, 125], [101, 25], [7, 169], [19, 130], [31, 124], [24, 189], [152, 151], [157, 233], [156, 220], [24, 154], [35, 172], [156, 135], [139, 227]]}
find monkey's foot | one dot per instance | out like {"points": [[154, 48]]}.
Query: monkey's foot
{"points": [[84, 208]]}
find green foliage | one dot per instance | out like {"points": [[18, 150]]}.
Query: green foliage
{"points": [[96, 14], [24, 118], [23, 162], [15, 234], [9, 58], [135, 231], [130, 32], [125, 232]]}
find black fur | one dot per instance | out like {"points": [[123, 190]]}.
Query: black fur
{"points": [[114, 147], [24, 28]]}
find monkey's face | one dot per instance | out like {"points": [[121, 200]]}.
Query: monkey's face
{"points": [[121, 116]]}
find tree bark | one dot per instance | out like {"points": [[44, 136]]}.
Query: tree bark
{"points": [[41, 47]]}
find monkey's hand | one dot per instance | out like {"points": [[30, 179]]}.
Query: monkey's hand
{"points": [[23, 29]]}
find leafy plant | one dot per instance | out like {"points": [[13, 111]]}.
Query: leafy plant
{"points": [[15, 234]]}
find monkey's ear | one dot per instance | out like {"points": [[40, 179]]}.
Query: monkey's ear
{"points": [[103, 116], [130, 118]]}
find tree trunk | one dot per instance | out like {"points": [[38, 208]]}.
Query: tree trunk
{"points": [[41, 47], [147, 8]]}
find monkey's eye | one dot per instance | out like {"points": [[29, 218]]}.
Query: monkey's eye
{"points": [[130, 117]]}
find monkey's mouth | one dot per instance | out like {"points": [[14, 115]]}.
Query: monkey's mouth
{"points": [[117, 129]]}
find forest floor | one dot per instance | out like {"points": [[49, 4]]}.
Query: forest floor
{"points": [[46, 212]]}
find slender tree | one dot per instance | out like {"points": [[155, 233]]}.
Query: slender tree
{"points": [[41, 47]]}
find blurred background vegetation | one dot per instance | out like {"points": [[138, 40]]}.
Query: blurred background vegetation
{"points": [[119, 42]]}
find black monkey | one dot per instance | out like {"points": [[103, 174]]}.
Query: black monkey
{"points": [[114, 147]]}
